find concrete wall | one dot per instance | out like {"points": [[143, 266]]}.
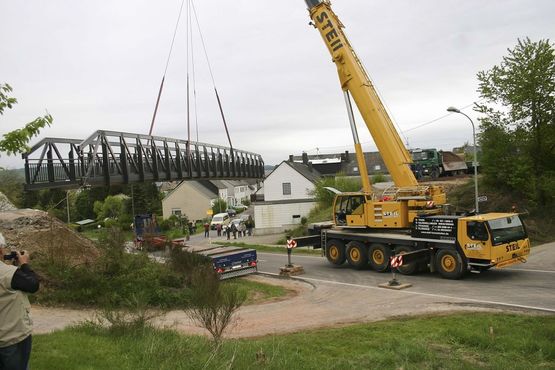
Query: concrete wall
{"points": [[275, 217], [300, 185]]}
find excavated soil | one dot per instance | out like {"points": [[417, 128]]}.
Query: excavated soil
{"points": [[39, 233], [5, 204]]}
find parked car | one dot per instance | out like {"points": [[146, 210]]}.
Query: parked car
{"points": [[239, 224], [241, 206], [220, 218], [231, 212]]}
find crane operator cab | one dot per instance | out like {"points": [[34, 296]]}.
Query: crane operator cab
{"points": [[349, 210]]}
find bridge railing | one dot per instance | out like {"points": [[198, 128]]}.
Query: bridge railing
{"points": [[108, 157]]}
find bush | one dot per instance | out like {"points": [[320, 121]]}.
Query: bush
{"points": [[115, 280], [167, 223], [125, 221], [110, 223], [184, 263], [340, 182], [378, 178], [211, 305]]}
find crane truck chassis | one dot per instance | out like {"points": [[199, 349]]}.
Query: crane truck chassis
{"points": [[450, 245]]}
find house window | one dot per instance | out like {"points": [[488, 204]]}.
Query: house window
{"points": [[176, 211], [286, 188]]}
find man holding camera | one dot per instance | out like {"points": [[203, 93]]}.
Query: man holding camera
{"points": [[16, 280]]}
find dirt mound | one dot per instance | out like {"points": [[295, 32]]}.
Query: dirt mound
{"points": [[38, 232], [5, 204]]}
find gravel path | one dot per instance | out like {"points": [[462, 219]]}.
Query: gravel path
{"points": [[314, 306]]}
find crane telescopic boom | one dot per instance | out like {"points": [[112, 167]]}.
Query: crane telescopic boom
{"points": [[355, 80]]}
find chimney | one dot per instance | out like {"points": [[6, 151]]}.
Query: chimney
{"points": [[305, 158], [290, 157], [346, 156]]}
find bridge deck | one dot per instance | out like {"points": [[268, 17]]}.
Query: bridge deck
{"points": [[109, 157]]}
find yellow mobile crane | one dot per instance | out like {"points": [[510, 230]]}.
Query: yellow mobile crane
{"points": [[406, 219], [398, 206]]}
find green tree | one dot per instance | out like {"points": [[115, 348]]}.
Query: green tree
{"points": [[11, 185], [16, 141], [112, 207], [84, 205], [339, 182], [146, 198], [518, 124], [219, 206]]}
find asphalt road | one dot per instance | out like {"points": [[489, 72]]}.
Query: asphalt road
{"points": [[524, 286]]}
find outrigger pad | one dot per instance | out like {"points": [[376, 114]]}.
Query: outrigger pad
{"points": [[395, 287], [292, 270]]}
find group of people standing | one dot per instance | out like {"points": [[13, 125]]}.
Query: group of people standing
{"points": [[237, 229]]}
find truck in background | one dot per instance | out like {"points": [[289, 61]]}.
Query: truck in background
{"points": [[435, 163]]}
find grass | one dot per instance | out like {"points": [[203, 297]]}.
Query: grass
{"points": [[99, 234], [462, 341], [257, 292], [274, 249]]}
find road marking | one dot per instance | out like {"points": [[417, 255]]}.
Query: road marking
{"points": [[433, 295], [532, 270]]}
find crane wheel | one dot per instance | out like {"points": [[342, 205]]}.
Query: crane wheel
{"points": [[335, 251], [357, 255], [450, 264], [406, 269], [379, 257]]}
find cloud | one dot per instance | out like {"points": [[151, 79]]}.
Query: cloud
{"points": [[98, 66]]}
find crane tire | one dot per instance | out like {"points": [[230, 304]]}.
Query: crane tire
{"points": [[335, 251], [379, 256], [357, 255], [450, 264]]}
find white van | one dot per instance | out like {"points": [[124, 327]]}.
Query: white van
{"points": [[219, 218]]}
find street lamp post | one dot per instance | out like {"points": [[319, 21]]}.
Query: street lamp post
{"points": [[475, 163]]}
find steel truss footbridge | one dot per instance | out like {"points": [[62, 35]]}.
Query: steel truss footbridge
{"points": [[108, 157]]}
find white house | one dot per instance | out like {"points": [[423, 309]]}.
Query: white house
{"points": [[287, 197], [234, 192]]}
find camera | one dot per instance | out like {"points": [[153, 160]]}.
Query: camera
{"points": [[11, 256]]}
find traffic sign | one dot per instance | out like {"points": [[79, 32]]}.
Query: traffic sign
{"points": [[483, 198], [291, 244], [209, 212], [397, 261]]}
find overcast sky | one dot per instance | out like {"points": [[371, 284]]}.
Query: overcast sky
{"points": [[98, 65]]}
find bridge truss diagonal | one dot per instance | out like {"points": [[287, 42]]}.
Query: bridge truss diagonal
{"points": [[108, 157]]}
